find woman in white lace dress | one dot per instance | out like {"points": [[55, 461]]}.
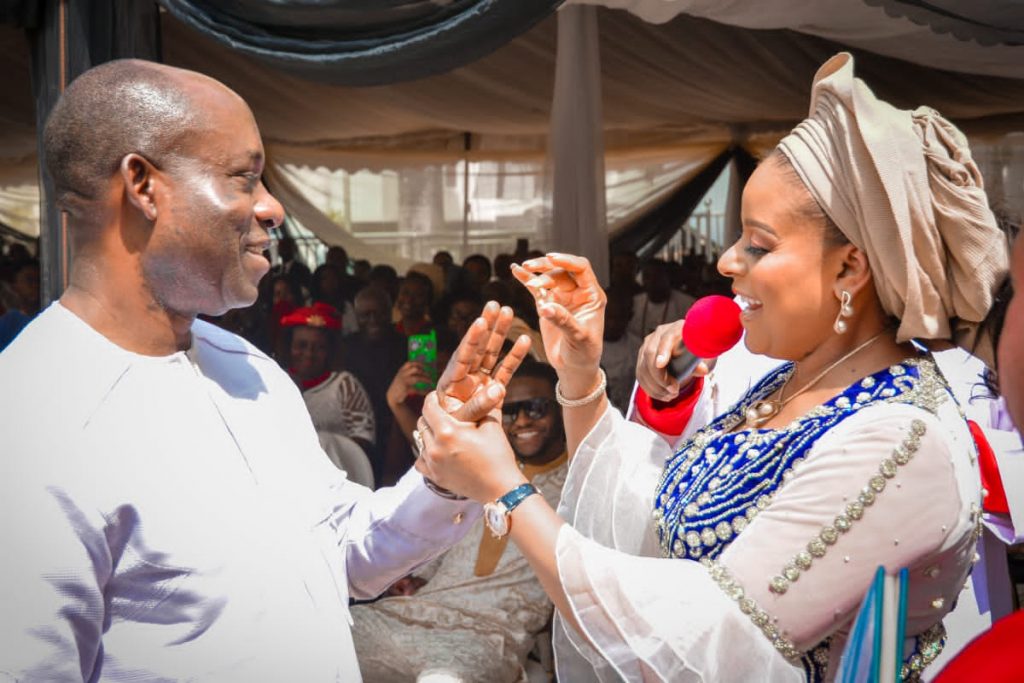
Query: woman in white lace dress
{"points": [[744, 555]]}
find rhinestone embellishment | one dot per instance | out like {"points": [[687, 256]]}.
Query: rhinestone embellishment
{"points": [[829, 534]]}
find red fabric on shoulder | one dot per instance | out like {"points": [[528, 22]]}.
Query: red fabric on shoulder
{"points": [[992, 657], [995, 501], [669, 417]]}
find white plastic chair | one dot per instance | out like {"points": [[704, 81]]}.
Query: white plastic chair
{"points": [[348, 456]]}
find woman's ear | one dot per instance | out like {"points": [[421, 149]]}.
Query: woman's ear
{"points": [[855, 271], [138, 174]]}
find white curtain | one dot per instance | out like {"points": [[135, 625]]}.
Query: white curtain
{"points": [[1001, 160], [665, 90], [576, 149], [19, 196], [733, 224], [398, 210]]}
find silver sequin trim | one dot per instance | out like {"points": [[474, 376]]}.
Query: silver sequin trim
{"points": [[829, 534], [929, 646], [757, 615]]}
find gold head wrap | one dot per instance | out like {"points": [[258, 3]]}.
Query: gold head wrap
{"points": [[901, 185]]}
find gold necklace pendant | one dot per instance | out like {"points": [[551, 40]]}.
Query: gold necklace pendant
{"points": [[761, 411]]}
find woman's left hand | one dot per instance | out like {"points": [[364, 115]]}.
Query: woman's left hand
{"points": [[472, 459], [570, 305]]}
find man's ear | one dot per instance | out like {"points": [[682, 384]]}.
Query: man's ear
{"points": [[855, 271], [138, 174]]}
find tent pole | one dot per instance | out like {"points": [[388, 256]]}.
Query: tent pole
{"points": [[467, 143], [576, 146], [72, 36]]}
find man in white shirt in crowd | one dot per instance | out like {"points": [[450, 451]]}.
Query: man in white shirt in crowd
{"points": [[168, 513], [618, 357], [658, 304]]}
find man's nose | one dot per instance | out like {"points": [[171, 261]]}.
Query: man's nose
{"points": [[269, 211]]}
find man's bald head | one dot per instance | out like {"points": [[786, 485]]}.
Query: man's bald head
{"points": [[118, 108]]}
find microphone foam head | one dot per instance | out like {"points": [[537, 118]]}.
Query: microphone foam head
{"points": [[712, 326]]}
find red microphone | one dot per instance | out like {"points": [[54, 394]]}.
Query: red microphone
{"points": [[712, 328]]}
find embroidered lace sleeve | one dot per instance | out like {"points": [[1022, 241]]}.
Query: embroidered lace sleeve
{"points": [[893, 485], [654, 619], [630, 601]]}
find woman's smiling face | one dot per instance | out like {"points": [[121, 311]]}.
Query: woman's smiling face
{"points": [[782, 267]]}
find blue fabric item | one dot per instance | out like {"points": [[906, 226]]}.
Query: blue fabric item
{"points": [[11, 325], [362, 42]]}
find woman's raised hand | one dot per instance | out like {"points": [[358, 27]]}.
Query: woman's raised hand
{"points": [[473, 383], [570, 304]]}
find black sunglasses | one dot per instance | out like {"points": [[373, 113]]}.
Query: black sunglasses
{"points": [[535, 408]]}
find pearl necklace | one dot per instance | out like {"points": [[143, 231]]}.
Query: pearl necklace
{"points": [[762, 411]]}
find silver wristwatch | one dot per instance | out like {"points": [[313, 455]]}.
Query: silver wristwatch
{"points": [[496, 514]]}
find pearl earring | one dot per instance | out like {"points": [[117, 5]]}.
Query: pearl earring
{"points": [[845, 311]]}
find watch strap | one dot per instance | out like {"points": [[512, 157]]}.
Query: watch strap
{"points": [[516, 496]]}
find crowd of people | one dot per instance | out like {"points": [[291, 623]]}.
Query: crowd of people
{"points": [[342, 331], [176, 510]]}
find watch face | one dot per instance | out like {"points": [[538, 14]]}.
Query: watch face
{"points": [[496, 518]]}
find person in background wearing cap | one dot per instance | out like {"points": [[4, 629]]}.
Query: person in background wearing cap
{"points": [[337, 402], [745, 554]]}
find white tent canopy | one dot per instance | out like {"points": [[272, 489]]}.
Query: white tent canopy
{"points": [[978, 37], [667, 98]]}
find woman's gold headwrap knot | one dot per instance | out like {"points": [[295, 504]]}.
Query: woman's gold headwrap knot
{"points": [[901, 185]]}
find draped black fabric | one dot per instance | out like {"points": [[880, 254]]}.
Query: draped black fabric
{"points": [[362, 42], [652, 230], [744, 164], [21, 13], [986, 23]]}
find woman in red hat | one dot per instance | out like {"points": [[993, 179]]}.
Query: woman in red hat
{"points": [[337, 402]]}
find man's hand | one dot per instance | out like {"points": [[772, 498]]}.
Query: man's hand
{"points": [[471, 459], [473, 383], [405, 381]]}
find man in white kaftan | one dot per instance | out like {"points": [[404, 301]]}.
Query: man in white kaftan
{"points": [[172, 518], [168, 513]]}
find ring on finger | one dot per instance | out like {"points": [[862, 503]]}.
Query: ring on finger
{"points": [[417, 439]]}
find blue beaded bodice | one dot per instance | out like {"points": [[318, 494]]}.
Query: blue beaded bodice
{"points": [[721, 479]]}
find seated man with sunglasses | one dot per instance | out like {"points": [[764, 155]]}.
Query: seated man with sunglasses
{"points": [[473, 613]]}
